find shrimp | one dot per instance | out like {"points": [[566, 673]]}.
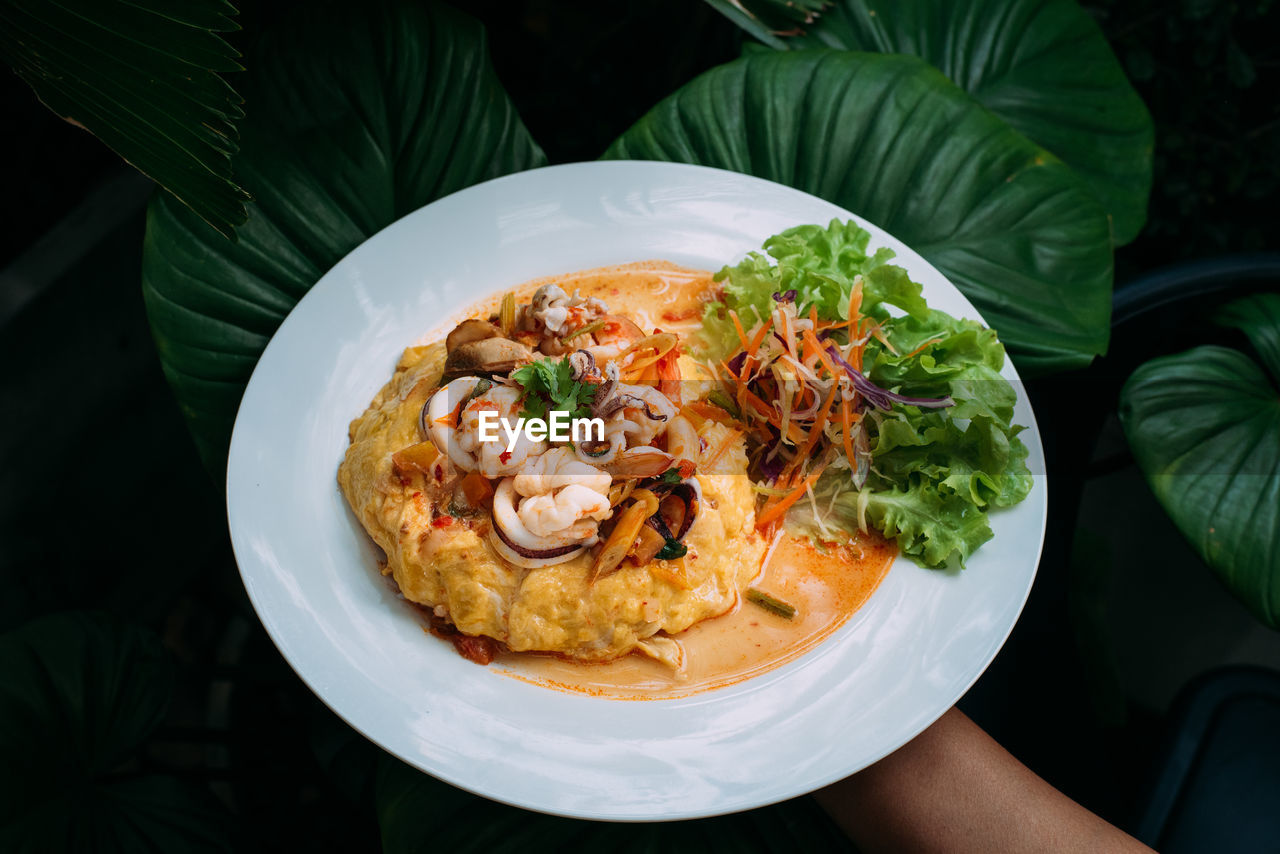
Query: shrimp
{"points": [[556, 469], [573, 511], [614, 338], [561, 498]]}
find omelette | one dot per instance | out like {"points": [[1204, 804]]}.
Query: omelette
{"points": [[590, 548]]}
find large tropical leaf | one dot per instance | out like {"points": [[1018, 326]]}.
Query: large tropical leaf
{"points": [[144, 76], [891, 139], [80, 693], [359, 114], [420, 814], [1043, 66], [1204, 426]]}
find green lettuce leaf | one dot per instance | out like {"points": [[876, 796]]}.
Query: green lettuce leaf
{"points": [[819, 264], [927, 524]]}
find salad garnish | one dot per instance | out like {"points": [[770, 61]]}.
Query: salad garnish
{"points": [[864, 406]]}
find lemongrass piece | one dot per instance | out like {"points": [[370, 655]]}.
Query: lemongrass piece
{"points": [[620, 492], [507, 314], [594, 326], [624, 533], [774, 605]]}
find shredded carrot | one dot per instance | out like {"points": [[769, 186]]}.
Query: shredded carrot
{"points": [[668, 573], [813, 316], [724, 445], [855, 300], [745, 396], [815, 431], [846, 424], [928, 343], [707, 411], [784, 482], [778, 510], [878, 333], [794, 431], [812, 342], [737, 324], [749, 364], [788, 334], [758, 338], [696, 418]]}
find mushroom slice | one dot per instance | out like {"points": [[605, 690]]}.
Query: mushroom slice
{"points": [[468, 331], [486, 357]]}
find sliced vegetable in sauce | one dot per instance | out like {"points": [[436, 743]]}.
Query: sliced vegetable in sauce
{"points": [[770, 603]]}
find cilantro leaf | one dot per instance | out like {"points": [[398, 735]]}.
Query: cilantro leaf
{"points": [[549, 385]]}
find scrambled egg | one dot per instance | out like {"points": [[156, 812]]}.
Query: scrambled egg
{"points": [[451, 568]]}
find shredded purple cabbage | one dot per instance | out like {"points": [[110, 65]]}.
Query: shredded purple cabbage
{"points": [[772, 464], [882, 398], [788, 296], [736, 363]]}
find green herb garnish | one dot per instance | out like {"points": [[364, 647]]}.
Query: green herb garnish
{"points": [[594, 326], [673, 549], [671, 475], [725, 402], [549, 386]]}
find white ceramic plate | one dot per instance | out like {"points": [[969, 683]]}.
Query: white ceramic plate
{"points": [[309, 568]]}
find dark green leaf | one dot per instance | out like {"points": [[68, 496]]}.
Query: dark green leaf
{"points": [[145, 78], [81, 691], [1240, 69], [672, 550], [889, 138], [418, 813], [769, 19], [1258, 317], [1204, 426], [1043, 66], [361, 114]]}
